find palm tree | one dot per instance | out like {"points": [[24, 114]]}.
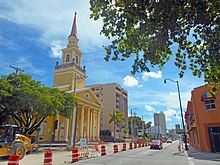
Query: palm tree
{"points": [[148, 125], [117, 118]]}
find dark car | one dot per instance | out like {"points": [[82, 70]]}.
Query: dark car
{"points": [[157, 144]]}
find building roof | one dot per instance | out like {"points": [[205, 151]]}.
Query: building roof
{"points": [[74, 28]]}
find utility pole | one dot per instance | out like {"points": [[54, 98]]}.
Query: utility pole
{"points": [[142, 126], [72, 142], [73, 124], [16, 69], [181, 110], [132, 131]]}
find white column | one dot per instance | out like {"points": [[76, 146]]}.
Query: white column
{"points": [[88, 124], [94, 125], [66, 127], [82, 123], [91, 124], [98, 125]]}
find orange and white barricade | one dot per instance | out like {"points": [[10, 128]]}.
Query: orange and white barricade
{"points": [[115, 147], [130, 146], [103, 151], [98, 153], [135, 145], [139, 144], [75, 155], [124, 147], [83, 152], [48, 158], [14, 159]]}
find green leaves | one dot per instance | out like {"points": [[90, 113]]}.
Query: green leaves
{"points": [[148, 29], [29, 103]]}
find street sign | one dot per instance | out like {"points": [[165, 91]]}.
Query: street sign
{"points": [[83, 142], [180, 131]]}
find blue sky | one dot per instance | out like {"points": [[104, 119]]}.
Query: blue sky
{"points": [[33, 32]]}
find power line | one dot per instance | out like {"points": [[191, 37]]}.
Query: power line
{"points": [[16, 69]]}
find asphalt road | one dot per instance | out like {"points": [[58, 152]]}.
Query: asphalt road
{"points": [[140, 156]]}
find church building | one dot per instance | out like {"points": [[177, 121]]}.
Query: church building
{"points": [[70, 76]]}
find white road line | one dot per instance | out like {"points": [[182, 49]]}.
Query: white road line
{"points": [[190, 159]]}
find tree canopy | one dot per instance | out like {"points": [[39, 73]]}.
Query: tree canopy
{"points": [[149, 28], [28, 103]]}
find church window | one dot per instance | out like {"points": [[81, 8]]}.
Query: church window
{"points": [[67, 58]]}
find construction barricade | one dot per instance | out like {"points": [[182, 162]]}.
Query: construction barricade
{"points": [[139, 144], [124, 147], [130, 146], [115, 147], [14, 159], [83, 153], [135, 145], [75, 155], [48, 158], [103, 151]]}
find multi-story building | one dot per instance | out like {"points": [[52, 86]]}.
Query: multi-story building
{"points": [[113, 98], [70, 76], [203, 119], [135, 126], [160, 120], [177, 126]]}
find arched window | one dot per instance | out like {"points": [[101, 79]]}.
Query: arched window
{"points": [[77, 59], [67, 58]]}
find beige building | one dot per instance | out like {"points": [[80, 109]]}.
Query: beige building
{"points": [[160, 122], [70, 76], [113, 98]]}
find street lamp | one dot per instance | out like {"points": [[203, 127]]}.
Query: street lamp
{"points": [[177, 83]]}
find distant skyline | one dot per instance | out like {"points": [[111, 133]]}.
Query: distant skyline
{"points": [[34, 32]]}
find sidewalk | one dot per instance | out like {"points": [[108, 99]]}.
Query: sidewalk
{"points": [[195, 154]]}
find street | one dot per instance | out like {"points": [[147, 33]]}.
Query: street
{"points": [[141, 156]]}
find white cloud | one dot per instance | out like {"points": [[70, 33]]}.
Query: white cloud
{"points": [[149, 108], [28, 67], [56, 47], [172, 99], [55, 19], [147, 75], [169, 113], [130, 81]]}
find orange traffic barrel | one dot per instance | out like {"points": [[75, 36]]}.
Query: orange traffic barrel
{"points": [[103, 151], [124, 147], [115, 148], [135, 145], [139, 144], [14, 159], [48, 158], [130, 146], [75, 155], [142, 144]]}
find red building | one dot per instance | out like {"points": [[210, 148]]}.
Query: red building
{"points": [[203, 119]]}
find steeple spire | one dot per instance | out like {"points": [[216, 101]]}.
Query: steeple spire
{"points": [[74, 28]]}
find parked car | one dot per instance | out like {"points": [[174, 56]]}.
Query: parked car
{"points": [[169, 140], [157, 144]]}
